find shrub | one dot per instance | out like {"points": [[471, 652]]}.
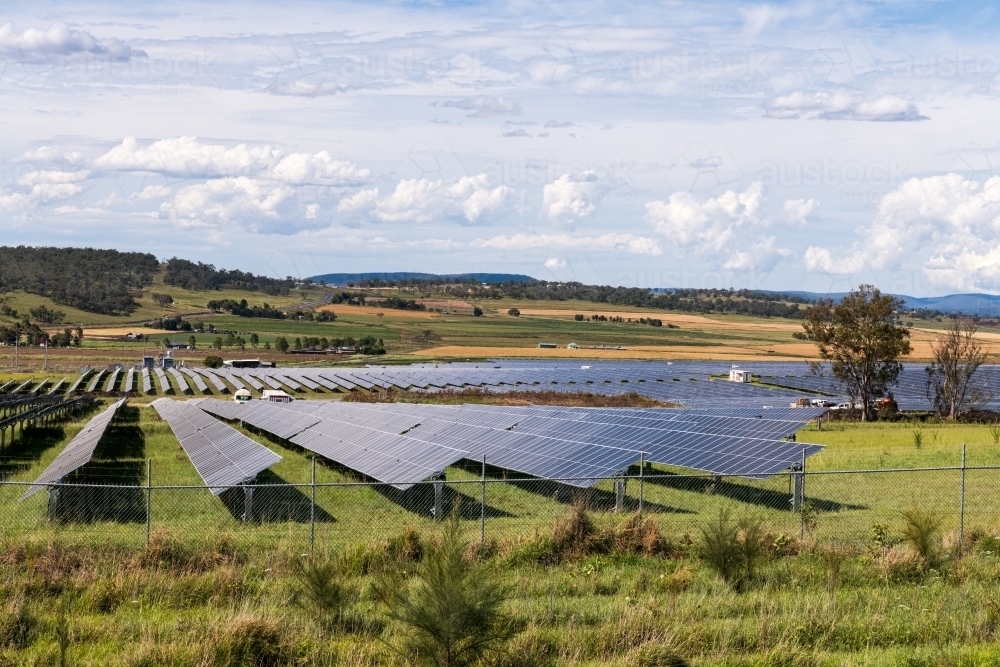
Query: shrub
{"points": [[319, 593], [578, 317], [921, 531], [918, 439], [213, 361], [573, 534], [18, 629], [734, 549], [514, 312], [902, 566], [477, 311], [451, 611]]}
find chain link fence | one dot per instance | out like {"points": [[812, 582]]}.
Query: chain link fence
{"points": [[120, 503]]}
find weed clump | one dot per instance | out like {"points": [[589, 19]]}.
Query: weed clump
{"points": [[319, 592], [655, 655], [381, 556], [18, 629], [921, 530], [251, 641]]}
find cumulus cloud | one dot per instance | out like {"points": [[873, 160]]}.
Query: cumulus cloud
{"points": [[948, 224], [628, 243], [421, 200], [842, 105], [50, 176], [799, 210], [568, 198], [61, 41], [188, 157], [484, 105], [725, 227], [362, 200], [301, 88], [519, 132], [41, 193], [556, 123], [150, 192], [554, 263], [255, 205]]}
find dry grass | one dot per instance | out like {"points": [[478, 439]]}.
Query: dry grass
{"points": [[580, 399]]}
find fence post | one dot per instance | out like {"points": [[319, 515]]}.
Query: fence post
{"points": [[800, 495], [642, 465], [482, 505], [149, 497], [312, 511], [961, 506]]}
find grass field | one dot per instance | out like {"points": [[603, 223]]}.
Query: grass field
{"points": [[210, 589]]}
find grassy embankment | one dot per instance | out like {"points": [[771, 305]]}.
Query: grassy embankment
{"points": [[210, 590]]}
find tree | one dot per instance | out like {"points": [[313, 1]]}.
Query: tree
{"points": [[950, 386], [514, 312], [281, 344], [162, 300], [298, 343], [213, 361], [254, 340], [477, 311], [863, 342], [166, 343], [230, 339], [217, 343], [241, 343], [193, 342], [267, 346]]}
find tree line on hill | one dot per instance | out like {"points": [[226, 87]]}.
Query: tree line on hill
{"points": [[97, 281], [198, 276]]}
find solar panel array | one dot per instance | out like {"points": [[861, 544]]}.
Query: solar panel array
{"points": [[78, 452], [223, 456], [401, 444]]}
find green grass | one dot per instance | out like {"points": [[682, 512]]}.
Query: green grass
{"points": [[208, 581]]}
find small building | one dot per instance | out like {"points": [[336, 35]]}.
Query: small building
{"points": [[247, 363], [548, 346], [276, 396], [149, 362], [242, 396], [740, 375], [573, 346]]}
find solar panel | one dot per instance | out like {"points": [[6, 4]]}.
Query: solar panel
{"points": [[78, 452], [179, 379], [223, 456], [196, 379], [79, 381], [161, 379], [129, 381], [147, 384]]}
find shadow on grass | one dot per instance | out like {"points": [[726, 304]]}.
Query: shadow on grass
{"points": [[744, 493], [275, 501], [419, 499], [27, 450], [596, 499]]}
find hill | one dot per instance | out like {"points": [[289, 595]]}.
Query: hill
{"points": [[967, 304], [343, 279]]}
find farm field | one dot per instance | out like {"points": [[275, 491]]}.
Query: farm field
{"points": [[419, 336], [211, 589]]}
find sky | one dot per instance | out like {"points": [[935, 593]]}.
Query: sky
{"points": [[787, 146]]}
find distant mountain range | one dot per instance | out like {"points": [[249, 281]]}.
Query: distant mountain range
{"points": [[969, 304], [342, 279]]}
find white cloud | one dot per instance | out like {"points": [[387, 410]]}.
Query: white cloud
{"points": [[362, 200], [842, 105], [567, 199], [188, 157], [60, 41], [726, 227], [554, 263], [948, 225], [255, 205], [423, 200], [798, 210], [628, 243], [311, 211], [321, 169], [36, 177], [301, 88], [51, 156], [150, 192], [42, 193], [484, 105]]}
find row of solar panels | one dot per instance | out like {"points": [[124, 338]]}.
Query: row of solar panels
{"points": [[78, 452], [401, 444]]}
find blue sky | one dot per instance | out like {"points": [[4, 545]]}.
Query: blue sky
{"points": [[705, 144]]}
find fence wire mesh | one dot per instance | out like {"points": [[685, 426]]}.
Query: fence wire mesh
{"points": [[121, 503]]}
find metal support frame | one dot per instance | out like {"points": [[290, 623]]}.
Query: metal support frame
{"points": [[620, 483], [642, 468], [248, 500], [149, 498]]}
